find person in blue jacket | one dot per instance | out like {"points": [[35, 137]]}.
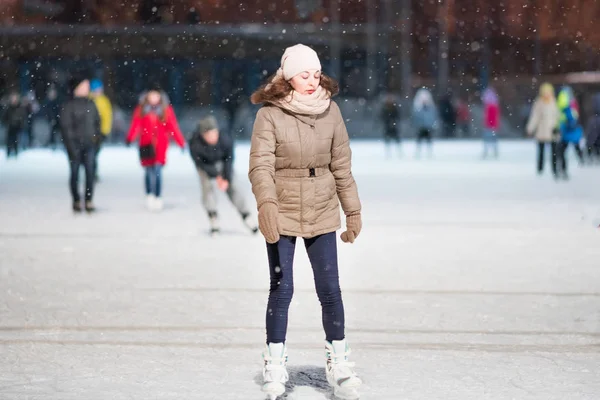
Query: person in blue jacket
{"points": [[571, 131]]}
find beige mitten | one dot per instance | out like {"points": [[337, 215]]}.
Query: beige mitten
{"points": [[353, 227], [268, 222]]}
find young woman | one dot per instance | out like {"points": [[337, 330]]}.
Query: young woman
{"points": [[542, 125], [155, 123], [300, 172]]}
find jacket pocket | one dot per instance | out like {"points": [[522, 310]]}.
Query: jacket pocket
{"points": [[324, 190], [331, 187], [281, 191]]}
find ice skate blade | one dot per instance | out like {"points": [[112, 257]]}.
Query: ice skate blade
{"points": [[349, 384], [273, 390], [346, 393], [251, 227]]}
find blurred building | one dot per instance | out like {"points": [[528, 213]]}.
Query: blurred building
{"points": [[216, 51]]}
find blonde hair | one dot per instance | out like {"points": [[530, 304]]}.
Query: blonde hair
{"points": [[547, 92]]}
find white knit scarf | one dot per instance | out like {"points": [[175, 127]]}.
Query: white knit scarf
{"points": [[306, 104]]}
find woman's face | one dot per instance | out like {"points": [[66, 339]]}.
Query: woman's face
{"points": [[153, 97], [306, 82]]}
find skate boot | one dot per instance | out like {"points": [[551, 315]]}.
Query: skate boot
{"points": [[89, 206], [214, 222], [77, 207], [158, 204], [150, 202], [249, 222], [339, 371], [275, 374]]}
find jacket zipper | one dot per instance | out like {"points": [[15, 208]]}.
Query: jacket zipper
{"points": [[301, 180]]}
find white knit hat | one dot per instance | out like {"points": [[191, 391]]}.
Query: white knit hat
{"points": [[297, 59]]}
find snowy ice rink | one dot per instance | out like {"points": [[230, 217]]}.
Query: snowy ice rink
{"points": [[471, 280]]}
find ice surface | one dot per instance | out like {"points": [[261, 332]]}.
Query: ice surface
{"points": [[471, 279]]}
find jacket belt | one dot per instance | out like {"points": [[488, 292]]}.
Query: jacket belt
{"points": [[301, 172]]}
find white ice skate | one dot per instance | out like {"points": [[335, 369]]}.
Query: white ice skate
{"points": [[250, 222], [158, 204], [214, 225], [150, 200], [339, 371], [275, 374]]}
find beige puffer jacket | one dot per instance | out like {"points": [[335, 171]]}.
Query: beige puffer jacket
{"points": [[302, 163], [543, 121]]}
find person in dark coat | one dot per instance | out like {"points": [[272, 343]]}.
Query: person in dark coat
{"points": [[32, 107], [212, 152], [448, 116], [80, 129], [390, 116], [52, 112], [14, 119], [593, 130]]}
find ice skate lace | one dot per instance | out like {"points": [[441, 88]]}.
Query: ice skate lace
{"points": [[274, 367], [341, 366]]}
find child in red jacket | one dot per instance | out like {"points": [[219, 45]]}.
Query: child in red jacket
{"points": [[155, 123], [491, 123]]}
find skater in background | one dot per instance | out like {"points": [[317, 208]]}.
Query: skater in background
{"points": [[448, 115], [14, 118], [154, 122], [542, 126], [106, 116], [571, 131], [32, 106], [593, 130], [525, 110], [120, 125], [212, 152], [390, 116], [463, 118], [491, 121], [424, 119], [80, 129], [574, 104], [583, 112], [297, 184], [52, 110]]}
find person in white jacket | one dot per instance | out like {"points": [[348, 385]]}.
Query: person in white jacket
{"points": [[543, 125]]}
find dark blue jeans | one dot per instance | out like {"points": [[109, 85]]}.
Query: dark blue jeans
{"points": [[82, 157], [153, 180], [322, 253]]}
